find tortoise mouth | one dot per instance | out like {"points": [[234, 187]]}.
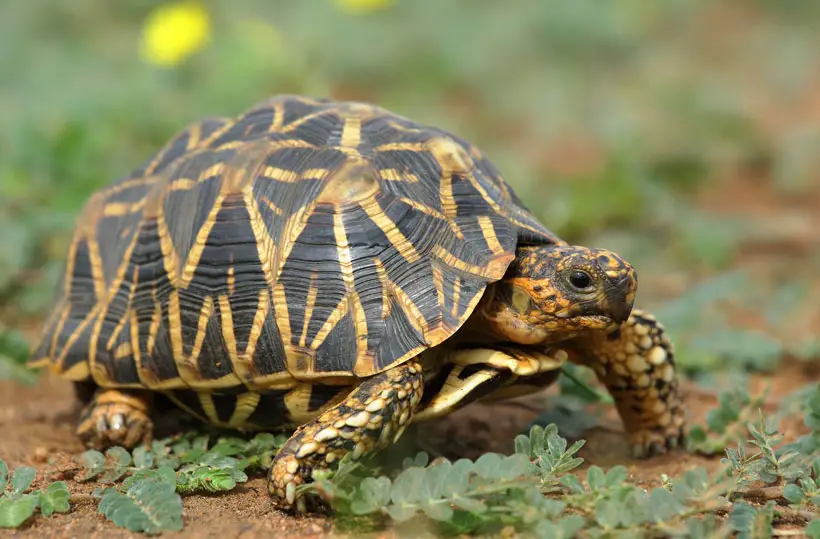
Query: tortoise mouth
{"points": [[596, 321]]}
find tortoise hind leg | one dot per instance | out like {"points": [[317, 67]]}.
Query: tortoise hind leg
{"points": [[372, 417], [116, 417]]}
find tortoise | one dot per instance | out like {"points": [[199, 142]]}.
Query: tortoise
{"points": [[339, 269]]}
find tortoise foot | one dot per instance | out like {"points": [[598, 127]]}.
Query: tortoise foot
{"points": [[115, 418], [651, 442]]}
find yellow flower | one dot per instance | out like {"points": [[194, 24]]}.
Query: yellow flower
{"points": [[175, 31], [357, 7]]}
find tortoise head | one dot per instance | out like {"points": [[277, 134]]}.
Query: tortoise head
{"points": [[552, 293]]}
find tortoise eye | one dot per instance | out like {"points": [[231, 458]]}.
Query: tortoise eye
{"points": [[580, 279]]}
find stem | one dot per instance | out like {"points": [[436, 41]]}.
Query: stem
{"points": [[598, 396]]}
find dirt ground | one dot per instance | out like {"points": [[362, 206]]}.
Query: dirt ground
{"points": [[37, 429]]}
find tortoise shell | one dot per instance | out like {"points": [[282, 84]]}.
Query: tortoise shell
{"points": [[305, 241]]}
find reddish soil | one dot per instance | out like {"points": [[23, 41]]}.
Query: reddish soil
{"points": [[37, 425]]}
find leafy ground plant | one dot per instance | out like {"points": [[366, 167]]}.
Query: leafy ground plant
{"points": [[142, 489], [17, 505]]}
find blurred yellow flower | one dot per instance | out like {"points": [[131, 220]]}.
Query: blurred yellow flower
{"points": [[175, 31], [363, 6]]}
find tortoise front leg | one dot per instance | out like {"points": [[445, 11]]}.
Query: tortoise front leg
{"points": [[116, 417], [372, 417], [636, 362]]}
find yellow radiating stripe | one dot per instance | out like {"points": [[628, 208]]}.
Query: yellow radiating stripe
{"points": [[456, 296], [382, 274], [271, 146], [182, 184], [277, 380], [279, 174], [490, 236], [278, 117], [408, 306], [393, 175], [438, 280], [58, 329], [315, 174], [99, 374], [400, 146], [118, 209], [399, 127], [337, 314], [231, 281], [313, 291], [290, 233], [346, 265], [274, 208], [128, 184], [246, 403], [280, 307], [352, 132], [169, 255], [493, 271], [192, 261], [218, 132], [399, 241], [187, 365], [433, 213], [265, 246], [228, 334], [448, 203], [194, 132], [125, 316], [156, 319], [299, 121], [244, 367]]}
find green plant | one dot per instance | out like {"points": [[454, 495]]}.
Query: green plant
{"points": [[17, 505]]}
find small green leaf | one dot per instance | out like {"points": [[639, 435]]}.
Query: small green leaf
{"points": [[14, 513], [4, 475], [372, 495], [437, 510], [143, 458], [401, 513], [118, 459], [54, 499], [813, 529], [595, 478], [22, 478], [94, 464], [793, 493], [407, 486], [615, 476], [663, 504], [470, 504], [147, 506]]}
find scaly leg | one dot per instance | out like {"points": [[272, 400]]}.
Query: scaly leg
{"points": [[372, 417], [116, 417], [636, 362]]}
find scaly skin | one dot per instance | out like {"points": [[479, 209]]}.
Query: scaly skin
{"points": [[637, 364], [116, 417], [372, 417]]}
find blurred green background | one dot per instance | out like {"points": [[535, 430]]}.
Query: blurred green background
{"points": [[682, 133]]}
